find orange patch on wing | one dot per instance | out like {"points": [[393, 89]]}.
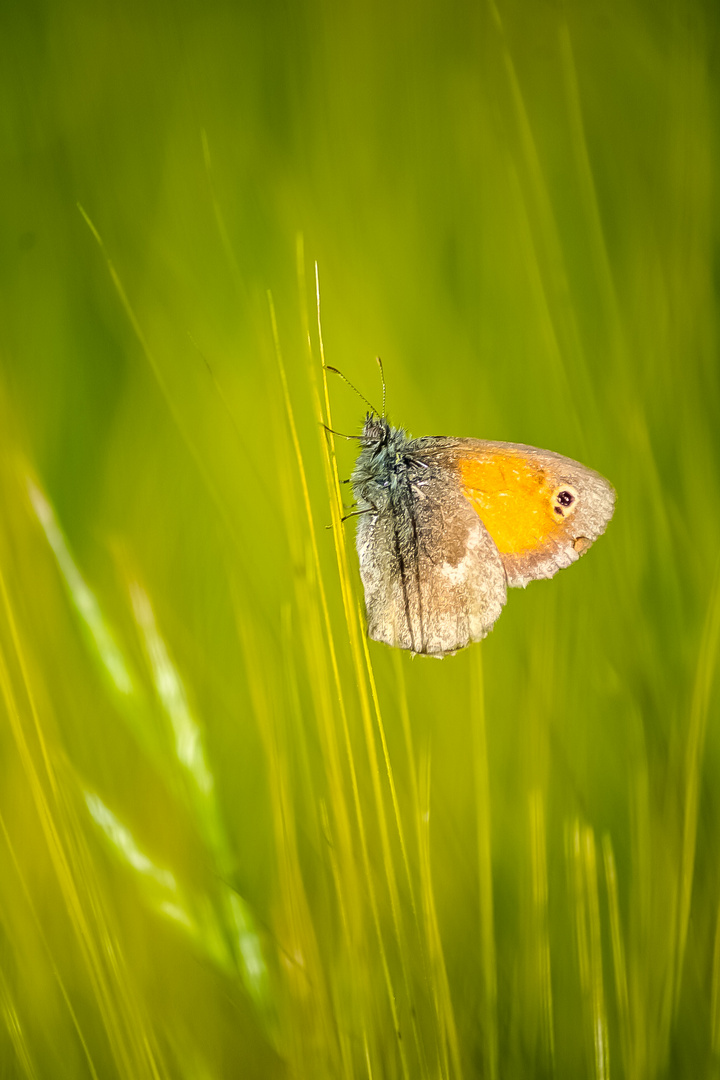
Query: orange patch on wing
{"points": [[513, 498]]}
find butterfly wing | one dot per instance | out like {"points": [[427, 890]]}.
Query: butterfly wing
{"points": [[433, 578], [542, 510]]}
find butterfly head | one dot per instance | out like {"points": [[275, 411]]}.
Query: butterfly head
{"points": [[376, 431]]}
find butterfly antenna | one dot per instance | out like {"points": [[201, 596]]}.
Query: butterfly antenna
{"points": [[352, 387], [382, 376]]}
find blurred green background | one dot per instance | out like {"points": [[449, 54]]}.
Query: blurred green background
{"points": [[232, 845]]}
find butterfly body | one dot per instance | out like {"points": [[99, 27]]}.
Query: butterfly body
{"points": [[445, 525]]}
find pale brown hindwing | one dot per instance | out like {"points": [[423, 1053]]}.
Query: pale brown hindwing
{"points": [[433, 578]]}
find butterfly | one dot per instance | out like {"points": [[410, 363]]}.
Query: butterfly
{"points": [[446, 525]]}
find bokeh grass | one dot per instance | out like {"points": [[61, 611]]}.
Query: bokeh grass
{"points": [[237, 839]]}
